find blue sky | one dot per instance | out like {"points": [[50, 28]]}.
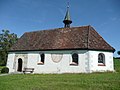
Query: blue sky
{"points": [[21, 16]]}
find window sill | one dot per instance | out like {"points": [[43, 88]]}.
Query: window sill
{"points": [[40, 63], [101, 65], [73, 64]]}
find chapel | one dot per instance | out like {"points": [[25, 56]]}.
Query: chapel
{"points": [[61, 50]]}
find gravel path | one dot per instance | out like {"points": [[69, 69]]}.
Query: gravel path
{"points": [[3, 74]]}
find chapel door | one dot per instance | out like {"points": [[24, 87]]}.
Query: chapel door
{"points": [[19, 65]]}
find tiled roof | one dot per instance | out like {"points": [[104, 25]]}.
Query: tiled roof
{"points": [[85, 38]]}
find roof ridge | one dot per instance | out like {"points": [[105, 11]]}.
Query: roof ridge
{"points": [[57, 28]]}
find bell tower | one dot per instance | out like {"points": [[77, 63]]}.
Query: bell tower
{"points": [[67, 21]]}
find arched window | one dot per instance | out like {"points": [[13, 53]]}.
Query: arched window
{"points": [[101, 59], [42, 59], [74, 59]]}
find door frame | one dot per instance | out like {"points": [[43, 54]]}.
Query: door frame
{"points": [[20, 64]]}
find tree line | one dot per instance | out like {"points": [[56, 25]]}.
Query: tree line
{"points": [[118, 52], [7, 39]]}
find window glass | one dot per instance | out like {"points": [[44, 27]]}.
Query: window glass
{"points": [[101, 58], [42, 57], [75, 58]]}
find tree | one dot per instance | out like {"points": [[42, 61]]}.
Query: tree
{"points": [[7, 39], [118, 52]]}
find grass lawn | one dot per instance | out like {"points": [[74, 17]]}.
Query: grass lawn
{"points": [[94, 81]]}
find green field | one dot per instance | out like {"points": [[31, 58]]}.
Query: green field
{"points": [[94, 81]]}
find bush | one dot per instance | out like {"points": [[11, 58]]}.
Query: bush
{"points": [[5, 70]]}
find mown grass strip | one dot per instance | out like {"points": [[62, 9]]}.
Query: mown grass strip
{"points": [[94, 81]]}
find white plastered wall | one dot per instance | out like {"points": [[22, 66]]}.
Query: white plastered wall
{"points": [[10, 62], [88, 61], [63, 66], [93, 61]]}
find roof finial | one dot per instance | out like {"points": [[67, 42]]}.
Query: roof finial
{"points": [[67, 21], [67, 4]]}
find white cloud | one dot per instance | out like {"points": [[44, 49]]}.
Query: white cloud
{"points": [[113, 18], [103, 24]]}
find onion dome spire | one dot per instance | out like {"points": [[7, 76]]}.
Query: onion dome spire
{"points": [[67, 21]]}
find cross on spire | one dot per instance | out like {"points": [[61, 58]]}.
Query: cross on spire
{"points": [[67, 21]]}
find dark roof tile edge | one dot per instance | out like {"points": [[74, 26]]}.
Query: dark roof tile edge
{"points": [[58, 28]]}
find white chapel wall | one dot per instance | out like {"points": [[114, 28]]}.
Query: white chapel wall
{"points": [[93, 62], [63, 66], [88, 61], [10, 62]]}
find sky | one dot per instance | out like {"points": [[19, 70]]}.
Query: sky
{"points": [[20, 16]]}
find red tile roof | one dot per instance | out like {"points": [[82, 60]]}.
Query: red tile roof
{"points": [[84, 38]]}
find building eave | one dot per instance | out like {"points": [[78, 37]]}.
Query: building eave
{"points": [[63, 50]]}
